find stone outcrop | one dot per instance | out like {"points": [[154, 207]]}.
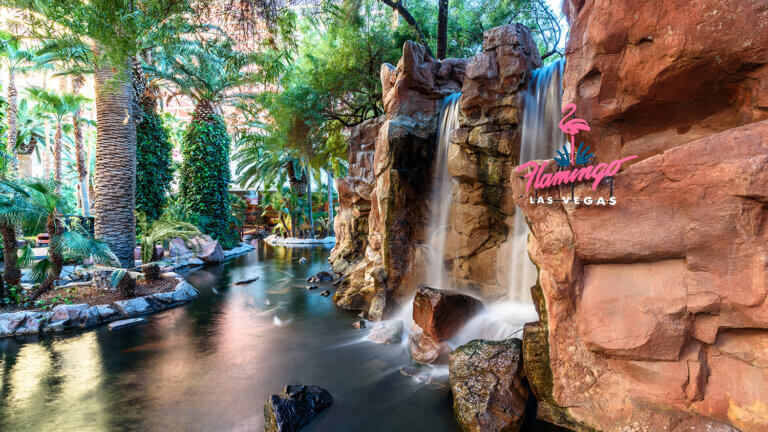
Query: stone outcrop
{"points": [[402, 165], [483, 152], [656, 307], [652, 75], [424, 349], [488, 385], [295, 407], [442, 313], [351, 223]]}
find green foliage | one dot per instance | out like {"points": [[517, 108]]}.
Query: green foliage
{"points": [[154, 169], [161, 230], [205, 178], [15, 296]]}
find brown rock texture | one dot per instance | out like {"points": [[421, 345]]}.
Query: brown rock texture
{"points": [[351, 224], [402, 165], [488, 385], [652, 75], [483, 152], [442, 313], [656, 315], [426, 350]]}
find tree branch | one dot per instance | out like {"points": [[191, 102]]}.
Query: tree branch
{"points": [[399, 8]]}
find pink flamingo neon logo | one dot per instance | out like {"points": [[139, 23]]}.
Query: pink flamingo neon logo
{"points": [[572, 127]]}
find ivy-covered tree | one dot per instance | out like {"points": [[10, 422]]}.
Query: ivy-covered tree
{"points": [[154, 165]]}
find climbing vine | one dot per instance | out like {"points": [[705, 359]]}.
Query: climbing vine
{"points": [[205, 178], [154, 165]]}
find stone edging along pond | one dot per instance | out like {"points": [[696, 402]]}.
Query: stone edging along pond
{"points": [[81, 316]]}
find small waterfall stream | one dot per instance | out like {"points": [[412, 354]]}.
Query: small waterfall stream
{"points": [[437, 275], [540, 138]]}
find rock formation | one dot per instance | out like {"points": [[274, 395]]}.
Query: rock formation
{"points": [[402, 166], [442, 313], [483, 153], [295, 407], [653, 312]]}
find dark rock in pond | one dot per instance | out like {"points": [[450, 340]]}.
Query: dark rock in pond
{"points": [[413, 369], [359, 324], [117, 325], [387, 332], [325, 293], [294, 408], [321, 277], [488, 385], [247, 281], [442, 313], [311, 287], [302, 260], [424, 349]]}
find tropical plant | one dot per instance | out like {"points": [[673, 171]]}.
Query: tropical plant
{"points": [[208, 72], [74, 244], [15, 211], [30, 132], [154, 165], [18, 59], [159, 231]]}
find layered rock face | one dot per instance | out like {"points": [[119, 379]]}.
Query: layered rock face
{"points": [[402, 166], [483, 153], [351, 224], [653, 311]]}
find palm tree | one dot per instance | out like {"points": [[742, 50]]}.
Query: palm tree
{"points": [[59, 106], [17, 59], [14, 211], [159, 231], [30, 133], [209, 72], [43, 197]]}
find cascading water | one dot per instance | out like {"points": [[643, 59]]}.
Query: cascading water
{"points": [[540, 139], [441, 195]]}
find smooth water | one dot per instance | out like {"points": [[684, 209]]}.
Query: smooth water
{"points": [[442, 196], [540, 138]]}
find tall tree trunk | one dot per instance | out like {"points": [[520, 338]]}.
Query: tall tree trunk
{"points": [[54, 255], [57, 154], [442, 29], [330, 203], [115, 161], [82, 172], [12, 274], [12, 113], [309, 201]]}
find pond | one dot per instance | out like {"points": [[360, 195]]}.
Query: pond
{"points": [[210, 365]]}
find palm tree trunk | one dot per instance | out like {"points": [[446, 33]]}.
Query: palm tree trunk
{"points": [[309, 201], [115, 161], [82, 172], [12, 114], [442, 29], [54, 255], [57, 154], [12, 274]]}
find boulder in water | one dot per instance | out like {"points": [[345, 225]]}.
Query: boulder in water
{"points": [[302, 260], [294, 408], [488, 385], [325, 293], [387, 332], [321, 277], [211, 252], [426, 350], [359, 324], [442, 313]]}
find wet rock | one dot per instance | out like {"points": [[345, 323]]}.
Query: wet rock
{"points": [[117, 325], [325, 293], [387, 332], [302, 260], [442, 313], [10, 322], [321, 277], [92, 317], [312, 287], [488, 385], [33, 323], [295, 407], [426, 350], [211, 252], [132, 307], [247, 281], [359, 324]]}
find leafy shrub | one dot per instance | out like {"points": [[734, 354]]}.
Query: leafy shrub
{"points": [[154, 165]]}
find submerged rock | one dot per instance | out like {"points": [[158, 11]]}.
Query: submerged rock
{"points": [[387, 332], [442, 313], [325, 293], [488, 385], [117, 325], [302, 260], [359, 324], [424, 349], [294, 407]]}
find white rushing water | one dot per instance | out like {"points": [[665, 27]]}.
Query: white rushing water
{"points": [[540, 138], [442, 196]]}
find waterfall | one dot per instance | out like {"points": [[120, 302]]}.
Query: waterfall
{"points": [[442, 195], [540, 138]]}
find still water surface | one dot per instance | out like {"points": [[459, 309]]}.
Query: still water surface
{"points": [[210, 365]]}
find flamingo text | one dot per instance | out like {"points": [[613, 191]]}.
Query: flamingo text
{"points": [[597, 173]]}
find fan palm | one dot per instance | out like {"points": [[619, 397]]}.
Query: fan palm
{"points": [[42, 195], [161, 230], [31, 132], [17, 58], [14, 212]]}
